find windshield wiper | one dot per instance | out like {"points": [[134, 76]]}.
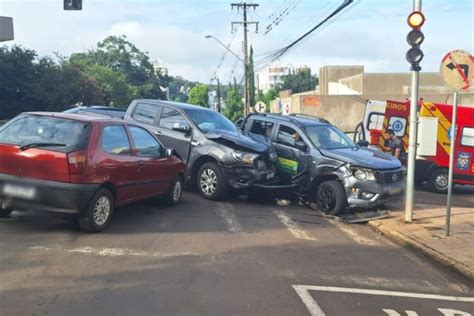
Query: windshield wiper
{"points": [[34, 145]]}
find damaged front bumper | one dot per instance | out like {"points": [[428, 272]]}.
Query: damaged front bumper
{"points": [[368, 194]]}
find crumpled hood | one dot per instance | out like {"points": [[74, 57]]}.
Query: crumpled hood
{"points": [[363, 157], [239, 139]]}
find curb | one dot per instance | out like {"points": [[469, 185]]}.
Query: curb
{"points": [[409, 242]]}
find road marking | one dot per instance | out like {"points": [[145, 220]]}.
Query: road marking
{"points": [[293, 227], [352, 234], [233, 225], [385, 293], [113, 252], [308, 301]]}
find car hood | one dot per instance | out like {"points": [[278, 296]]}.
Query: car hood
{"points": [[363, 157], [238, 139]]}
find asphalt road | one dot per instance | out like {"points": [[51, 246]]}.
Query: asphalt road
{"points": [[226, 258]]}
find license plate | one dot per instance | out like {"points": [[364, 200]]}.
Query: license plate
{"points": [[270, 175], [19, 191], [394, 190]]}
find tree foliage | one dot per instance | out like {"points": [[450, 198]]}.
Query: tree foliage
{"points": [[198, 95], [234, 106], [298, 81], [267, 97], [251, 79]]}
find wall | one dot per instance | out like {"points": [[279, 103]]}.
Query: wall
{"points": [[334, 73]]}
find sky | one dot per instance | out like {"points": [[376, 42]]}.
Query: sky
{"points": [[371, 33]]}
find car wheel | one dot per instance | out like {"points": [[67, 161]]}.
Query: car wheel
{"points": [[176, 191], [331, 198], [98, 212], [438, 181], [4, 212], [211, 182]]}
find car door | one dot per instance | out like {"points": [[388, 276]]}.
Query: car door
{"points": [[292, 149], [118, 165], [174, 131], [153, 174]]}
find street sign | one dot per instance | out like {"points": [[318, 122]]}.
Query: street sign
{"points": [[456, 69], [6, 29], [260, 107], [286, 109]]}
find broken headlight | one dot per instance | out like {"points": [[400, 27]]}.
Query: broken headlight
{"points": [[363, 174], [247, 158]]}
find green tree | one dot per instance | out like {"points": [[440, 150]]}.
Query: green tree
{"points": [[198, 95], [299, 81], [234, 106], [132, 66], [267, 97], [251, 79]]}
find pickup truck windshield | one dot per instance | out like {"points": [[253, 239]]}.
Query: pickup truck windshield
{"points": [[328, 137], [208, 121]]}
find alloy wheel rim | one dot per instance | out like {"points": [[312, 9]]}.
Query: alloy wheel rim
{"points": [[325, 199], [102, 210], [208, 181], [441, 181], [177, 190]]}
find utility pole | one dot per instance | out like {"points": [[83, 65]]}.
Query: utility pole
{"points": [[245, 6]]}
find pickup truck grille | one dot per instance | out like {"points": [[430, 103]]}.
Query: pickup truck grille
{"points": [[391, 176]]}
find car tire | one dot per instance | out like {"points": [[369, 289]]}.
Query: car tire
{"points": [[4, 212], [98, 212], [438, 181], [331, 197], [211, 182], [176, 192]]}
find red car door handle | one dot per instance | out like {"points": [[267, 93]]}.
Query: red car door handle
{"points": [[141, 162]]}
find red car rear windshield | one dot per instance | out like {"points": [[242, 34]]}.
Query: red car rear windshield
{"points": [[70, 135]]}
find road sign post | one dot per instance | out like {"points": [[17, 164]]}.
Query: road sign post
{"points": [[455, 71], [414, 56]]}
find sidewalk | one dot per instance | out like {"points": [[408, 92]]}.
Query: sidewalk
{"points": [[426, 235]]}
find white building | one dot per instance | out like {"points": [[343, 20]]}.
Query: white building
{"points": [[159, 67], [270, 77]]}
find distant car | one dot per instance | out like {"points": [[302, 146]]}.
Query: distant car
{"points": [[218, 157], [98, 110], [82, 165]]}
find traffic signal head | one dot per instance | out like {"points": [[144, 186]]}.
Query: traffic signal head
{"points": [[72, 5], [414, 38]]}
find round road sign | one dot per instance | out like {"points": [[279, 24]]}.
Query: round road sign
{"points": [[260, 107], [456, 69]]}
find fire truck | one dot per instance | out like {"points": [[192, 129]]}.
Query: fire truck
{"points": [[433, 141]]}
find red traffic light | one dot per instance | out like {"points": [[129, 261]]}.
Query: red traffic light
{"points": [[416, 19]]}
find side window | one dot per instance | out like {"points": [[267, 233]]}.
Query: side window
{"points": [[145, 144], [170, 116], [467, 136], [262, 128], [115, 140], [288, 136], [398, 124], [145, 113], [375, 121]]}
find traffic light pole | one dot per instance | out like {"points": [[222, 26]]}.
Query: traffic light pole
{"points": [[410, 193], [451, 164]]}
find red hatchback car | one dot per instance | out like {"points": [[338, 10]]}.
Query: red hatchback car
{"points": [[84, 165]]}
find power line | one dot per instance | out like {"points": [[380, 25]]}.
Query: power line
{"points": [[272, 56]]}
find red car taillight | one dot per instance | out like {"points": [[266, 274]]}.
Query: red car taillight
{"points": [[77, 161]]}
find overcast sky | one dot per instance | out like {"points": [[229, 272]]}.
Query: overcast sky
{"points": [[371, 33]]}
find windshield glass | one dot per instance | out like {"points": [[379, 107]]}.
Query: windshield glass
{"points": [[328, 137], [31, 129], [208, 121]]}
